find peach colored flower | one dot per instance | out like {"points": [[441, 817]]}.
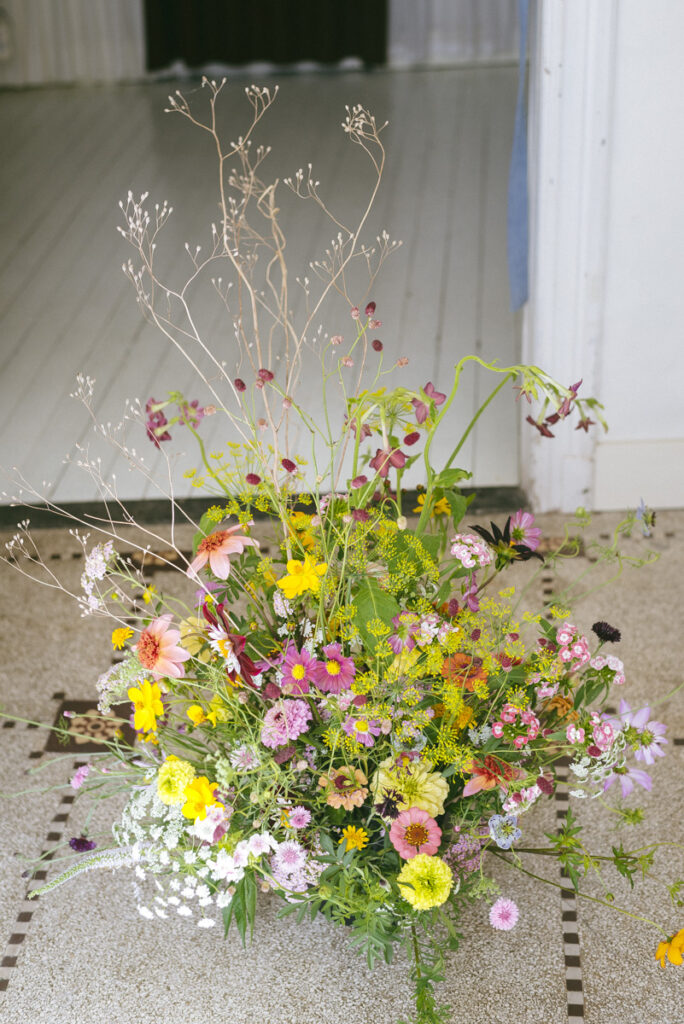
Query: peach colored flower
{"points": [[216, 548], [414, 832], [158, 651], [346, 787]]}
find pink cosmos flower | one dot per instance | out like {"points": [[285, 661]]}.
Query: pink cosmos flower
{"points": [[335, 673], [386, 457], [285, 721], [503, 915], [422, 409], [298, 669], [627, 778], [414, 832], [523, 531], [216, 548], [158, 651]]}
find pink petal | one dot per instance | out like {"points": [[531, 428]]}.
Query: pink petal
{"points": [[220, 564]]}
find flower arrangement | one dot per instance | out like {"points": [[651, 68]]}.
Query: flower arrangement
{"points": [[356, 721]]}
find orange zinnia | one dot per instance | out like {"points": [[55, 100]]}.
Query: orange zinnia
{"points": [[465, 670]]}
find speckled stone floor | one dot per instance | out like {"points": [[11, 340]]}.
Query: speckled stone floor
{"points": [[83, 954]]}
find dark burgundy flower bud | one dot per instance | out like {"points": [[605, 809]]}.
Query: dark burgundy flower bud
{"points": [[377, 345], [239, 384], [272, 691], [546, 785], [81, 844], [289, 465], [359, 515], [609, 634], [370, 309], [253, 479], [265, 375], [412, 438], [360, 700], [594, 751]]}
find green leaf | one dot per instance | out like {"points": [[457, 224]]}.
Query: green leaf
{"points": [[372, 602], [458, 504], [250, 902], [450, 477]]}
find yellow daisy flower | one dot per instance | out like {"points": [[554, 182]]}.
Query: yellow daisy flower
{"points": [[302, 576], [356, 838], [440, 508], [120, 636], [147, 705]]}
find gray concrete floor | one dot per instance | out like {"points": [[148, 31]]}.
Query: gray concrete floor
{"points": [[86, 955]]}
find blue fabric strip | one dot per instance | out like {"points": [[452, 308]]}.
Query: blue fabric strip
{"points": [[518, 233]]}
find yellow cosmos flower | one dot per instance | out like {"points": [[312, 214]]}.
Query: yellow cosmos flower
{"points": [[172, 780], [356, 838], [120, 636], [673, 950], [146, 700], [440, 508], [199, 797], [302, 576], [425, 881]]}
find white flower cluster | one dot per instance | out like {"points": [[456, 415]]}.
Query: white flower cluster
{"points": [[114, 683], [97, 562], [591, 772]]}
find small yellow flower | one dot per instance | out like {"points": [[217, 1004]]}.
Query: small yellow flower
{"points": [[120, 636], [148, 593], [302, 576], [440, 508], [146, 700], [356, 838], [199, 797], [196, 714], [673, 950]]}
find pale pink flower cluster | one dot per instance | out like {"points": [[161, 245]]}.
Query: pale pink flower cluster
{"points": [[601, 661], [603, 733], [471, 551], [526, 721], [522, 800], [285, 721], [574, 648]]}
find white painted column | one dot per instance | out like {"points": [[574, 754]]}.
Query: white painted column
{"points": [[572, 70]]}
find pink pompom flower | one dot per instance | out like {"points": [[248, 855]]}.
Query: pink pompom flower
{"points": [[414, 832], [285, 721], [503, 915]]}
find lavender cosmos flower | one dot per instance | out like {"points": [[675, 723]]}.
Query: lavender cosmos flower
{"points": [[299, 669], [627, 777], [363, 730], [406, 624], [523, 530], [642, 735]]}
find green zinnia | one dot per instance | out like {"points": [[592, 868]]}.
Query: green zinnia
{"points": [[427, 881]]}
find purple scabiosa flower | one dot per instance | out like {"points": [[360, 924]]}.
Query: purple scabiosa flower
{"points": [[298, 670], [81, 844], [422, 408], [386, 457], [285, 721], [363, 730], [406, 625], [503, 915], [335, 673], [523, 530], [606, 633], [289, 857], [627, 777], [503, 830], [299, 817]]}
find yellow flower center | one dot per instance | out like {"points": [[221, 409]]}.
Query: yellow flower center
{"points": [[332, 668], [298, 672], [361, 725]]}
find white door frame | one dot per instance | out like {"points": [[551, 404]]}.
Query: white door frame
{"points": [[572, 71]]}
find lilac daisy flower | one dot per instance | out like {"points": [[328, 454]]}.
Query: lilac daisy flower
{"points": [[298, 670], [363, 730], [627, 777], [406, 624], [644, 737], [336, 673], [503, 915]]}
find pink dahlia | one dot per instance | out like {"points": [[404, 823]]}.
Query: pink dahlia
{"points": [[414, 832], [158, 649], [523, 530], [503, 915], [335, 673], [216, 548], [285, 721]]}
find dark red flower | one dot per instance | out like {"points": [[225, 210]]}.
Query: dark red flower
{"points": [[253, 479], [386, 457], [370, 309], [247, 667], [412, 438], [422, 409], [81, 844], [541, 427], [265, 375], [289, 465], [359, 515], [239, 384], [376, 345]]}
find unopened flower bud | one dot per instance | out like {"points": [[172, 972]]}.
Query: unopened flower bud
{"points": [[287, 402], [412, 438], [265, 375], [402, 523], [374, 324], [376, 345], [239, 384], [402, 361], [209, 410], [359, 481], [354, 312], [336, 339], [253, 479], [347, 361], [288, 465]]}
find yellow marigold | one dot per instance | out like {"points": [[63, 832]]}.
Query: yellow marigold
{"points": [[172, 780], [356, 838], [418, 785], [199, 797], [302, 576], [425, 881], [120, 636]]}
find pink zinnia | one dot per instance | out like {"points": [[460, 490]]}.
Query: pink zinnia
{"points": [[158, 651], [335, 673], [216, 548], [523, 530], [414, 832], [298, 670], [503, 915], [285, 721]]}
